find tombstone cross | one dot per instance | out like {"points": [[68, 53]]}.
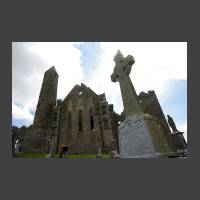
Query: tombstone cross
{"points": [[121, 73]]}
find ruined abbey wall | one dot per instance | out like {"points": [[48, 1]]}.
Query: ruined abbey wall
{"points": [[83, 119]]}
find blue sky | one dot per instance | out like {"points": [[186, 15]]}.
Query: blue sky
{"points": [[91, 52], [177, 97], [159, 66], [176, 102]]}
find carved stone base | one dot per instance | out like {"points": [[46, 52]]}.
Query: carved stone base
{"points": [[142, 137]]}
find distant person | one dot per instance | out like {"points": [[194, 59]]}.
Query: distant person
{"points": [[64, 149]]}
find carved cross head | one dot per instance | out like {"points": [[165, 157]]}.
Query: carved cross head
{"points": [[123, 66]]}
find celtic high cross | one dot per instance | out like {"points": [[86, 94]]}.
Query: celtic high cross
{"points": [[121, 73]]}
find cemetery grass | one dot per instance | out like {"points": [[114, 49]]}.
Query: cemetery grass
{"points": [[40, 155], [30, 155]]}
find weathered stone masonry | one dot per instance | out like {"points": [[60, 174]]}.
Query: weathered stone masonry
{"points": [[83, 119]]}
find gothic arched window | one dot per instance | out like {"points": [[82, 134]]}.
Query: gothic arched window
{"points": [[80, 121], [91, 120]]}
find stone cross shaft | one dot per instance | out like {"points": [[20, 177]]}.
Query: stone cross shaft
{"points": [[121, 73]]}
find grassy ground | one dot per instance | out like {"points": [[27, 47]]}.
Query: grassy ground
{"points": [[30, 155], [40, 155]]}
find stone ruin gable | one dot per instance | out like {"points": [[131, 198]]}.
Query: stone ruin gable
{"points": [[80, 101], [86, 139], [151, 106]]}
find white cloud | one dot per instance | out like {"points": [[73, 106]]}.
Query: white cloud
{"points": [[22, 113], [155, 63], [66, 59], [29, 62]]}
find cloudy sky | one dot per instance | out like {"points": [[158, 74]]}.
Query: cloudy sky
{"points": [[159, 66]]}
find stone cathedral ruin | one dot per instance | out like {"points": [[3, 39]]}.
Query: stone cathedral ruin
{"points": [[85, 120]]}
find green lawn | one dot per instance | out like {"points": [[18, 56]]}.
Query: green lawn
{"points": [[40, 155], [30, 155]]}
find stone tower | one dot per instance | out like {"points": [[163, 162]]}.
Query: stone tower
{"points": [[47, 99], [152, 107]]}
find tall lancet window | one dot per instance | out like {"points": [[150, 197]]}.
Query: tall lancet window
{"points": [[91, 120], [80, 120], [69, 120]]}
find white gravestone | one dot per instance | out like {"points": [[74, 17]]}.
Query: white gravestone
{"points": [[134, 139]]}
